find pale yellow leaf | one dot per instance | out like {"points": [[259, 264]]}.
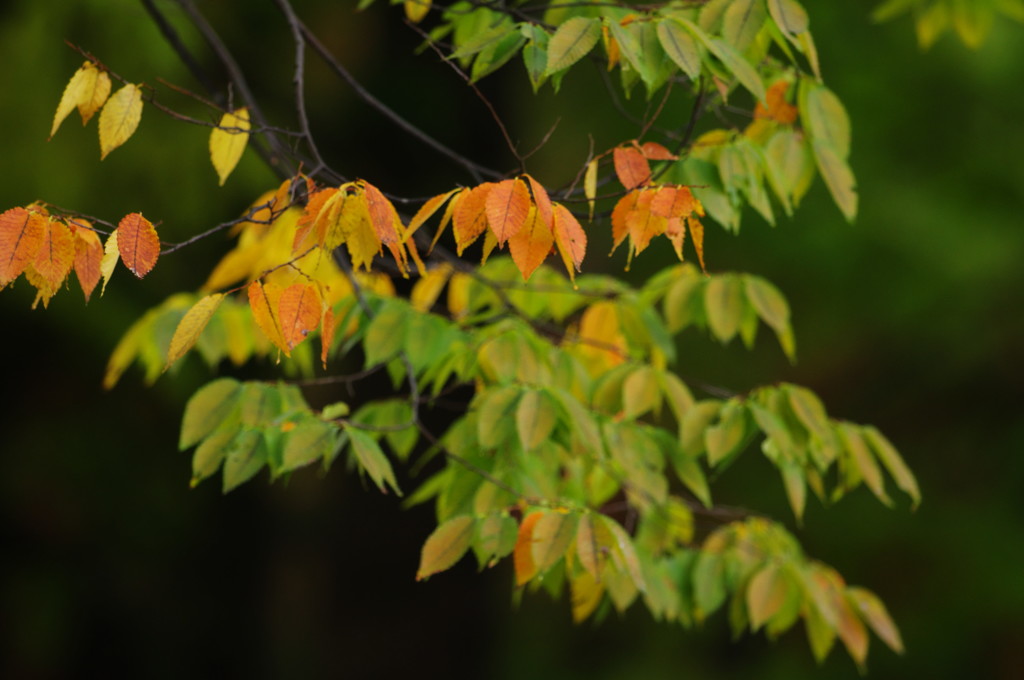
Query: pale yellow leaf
{"points": [[590, 185], [227, 142], [111, 256], [120, 118], [191, 327], [77, 89]]}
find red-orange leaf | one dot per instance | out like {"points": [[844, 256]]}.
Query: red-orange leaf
{"points": [[263, 301], [631, 167], [673, 201], [508, 205], [88, 255], [656, 152], [469, 219], [622, 209], [327, 328], [383, 215], [21, 235], [570, 238], [311, 229], [56, 255], [299, 312], [778, 108], [541, 200], [427, 210], [138, 243], [531, 244]]}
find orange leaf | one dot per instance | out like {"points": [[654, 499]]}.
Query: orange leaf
{"points": [[673, 201], [263, 300], [531, 244], [620, 212], [427, 210], [507, 206], [469, 219], [676, 233], [88, 254], [383, 215], [56, 255], [522, 555], [21, 235], [778, 109], [138, 243], [656, 152], [631, 166], [541, 200], [310, 228], [570, 238], [327, 328], [299, 312], [697, 232], [642, 224]]}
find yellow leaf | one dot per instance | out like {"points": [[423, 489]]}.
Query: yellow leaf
{"points": [[426, 291], [587, 593], [570, 238], [415, 10], [227, 142], [458, 295], [191, 327], [590, 185], [111, 255], [263, 301], [95, 97], [119, 118], [766, 594], [76, 91]]}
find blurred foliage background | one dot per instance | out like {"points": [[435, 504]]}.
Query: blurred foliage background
{"points": [[911, 319]]}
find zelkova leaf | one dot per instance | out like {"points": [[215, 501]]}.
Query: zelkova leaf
{"points": [[372, 459], [877, 617], [789, 16], [383, 216], [309, 441], [590, 185], [535, 419], [138, 243], [427, 210], [552, 536], [571, 42], [522, 554], [742, 21], [570, 239], [207, 409], [78, 90], [108, 262], [94, 97], [723, 300], [56, 254], [299, 310], [838, 177], [263, 302], [446, 546], [469, 216], [541, 200], [894, 463], [507, 207], [530, 246], [766, 593], [680, 47], [120, 118], [228, 141], [416, 10], [88, 256], [631, 166], [191, 326], [21, 236]]}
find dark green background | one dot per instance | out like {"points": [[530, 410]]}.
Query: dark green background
{"points": [[910, 319]]}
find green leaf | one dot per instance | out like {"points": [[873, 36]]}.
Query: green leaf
{"points": [[210, 454], [483, 40], [445, 546], [495, 538], [695, 424], [386, 335], [495, 415], [497, 54], [640, 392], [723, 302], [789, 16], [823, 116], [742, 21], [772, 307], [208, 409], [838, 177], [309, 441], [631, 49], [862, 460], [893, 462], [682, 303], [535, 419], [820, 634], [551, 537], [877, 617], [373, 460], [725, 438], [708, 584], [535, 58], [582, 423], [623, 552], [739, 66], [766, 594], [246, 456], [571, 42], [260, 404], [680, 46], [593, 540], [796, 488]]}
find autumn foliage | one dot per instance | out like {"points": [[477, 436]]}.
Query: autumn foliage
{"points": [[581, 456]]}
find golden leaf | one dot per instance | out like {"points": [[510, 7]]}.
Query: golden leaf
{"points": [[120, 118], [227, 142], [191, 327]]}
